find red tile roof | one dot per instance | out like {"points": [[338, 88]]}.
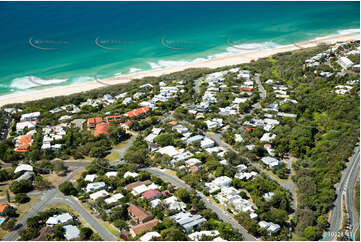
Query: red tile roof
{"points": [[91, 120], [151, 193], [24, 143], [101, 128], [137, 112], [126, 124], [172, 122], [98, 119], [247, 89], [2, 207]]}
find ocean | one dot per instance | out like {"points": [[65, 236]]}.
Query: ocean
{"points": [[47, 44]]}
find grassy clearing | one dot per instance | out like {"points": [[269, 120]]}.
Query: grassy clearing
{"points": [[23, 208], [114, 156]]}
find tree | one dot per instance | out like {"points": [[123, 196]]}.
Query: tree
{"points": [[165, 139], [118, 135], [312, 233], [59, 166], [96, 237], [85, 233], [9, 224], [22, 198], [22, 186], [41, 183], [68, 188], [322, 222], [10, 212], [7, 196], [4, 175], [183, 195]]}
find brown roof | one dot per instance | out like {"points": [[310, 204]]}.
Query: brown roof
{"points": [[137, 184], [139, 212], [146, 226]]}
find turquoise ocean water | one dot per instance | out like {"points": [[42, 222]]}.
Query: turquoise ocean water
{"points": [[59, 43]]}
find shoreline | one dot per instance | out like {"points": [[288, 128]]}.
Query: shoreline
{"points": [[211, 63]]}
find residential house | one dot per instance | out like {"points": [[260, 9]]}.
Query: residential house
{"points": [[71, 232], [207, 143], [138, 214], [23, 168], [133, 185], [196, 138], [152, 194], [134, 231], [61, 219], [187, 221], [149, 236], [193, 162], [99, 194], [137, 112], [271, 162], [267, 137], [90, 178], [101, 128], [115, 198], [345, 62], [91, 187]]}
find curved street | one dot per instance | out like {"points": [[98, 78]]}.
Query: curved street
{"points": [[345, 186], [224, 216], [53, 196]]}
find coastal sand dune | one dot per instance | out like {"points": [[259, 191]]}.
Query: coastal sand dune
{"points": [[212, 63]]}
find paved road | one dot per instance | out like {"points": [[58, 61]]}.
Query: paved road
{"points": [[52, 196], [262, 91], [5, 135], [220, 212], [345, 186], [124, 149]]}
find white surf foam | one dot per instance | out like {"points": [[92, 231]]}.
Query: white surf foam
{"points": [[27, 82], [132, 70]]}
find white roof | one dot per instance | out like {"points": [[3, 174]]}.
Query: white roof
{"points": [[193, 162], [111, 173], [268, 137], [168, 150], [115, 198], [150, 138], [155, 202], [23, 167], [94, 186], [139, 190], [71, 232], [90, 178], [207, 142], [98, 194], [60, 219], [132, 174], [149, 236]]}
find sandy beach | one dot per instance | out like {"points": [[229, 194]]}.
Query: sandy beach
{"points": [[212, 63]]}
